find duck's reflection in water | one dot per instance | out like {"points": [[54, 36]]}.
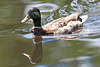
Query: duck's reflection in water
{"points": [[37, 54]]}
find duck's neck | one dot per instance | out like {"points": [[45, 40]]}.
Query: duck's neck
{"points": [[37, 22]]}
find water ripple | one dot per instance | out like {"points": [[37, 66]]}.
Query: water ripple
{"points": [[44, 7]]}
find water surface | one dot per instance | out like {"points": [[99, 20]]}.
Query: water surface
{"points": [[69, 50]]}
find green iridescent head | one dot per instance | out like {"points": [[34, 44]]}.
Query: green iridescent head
{"points": [[35, 15]]}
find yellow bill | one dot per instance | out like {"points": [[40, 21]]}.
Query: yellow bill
{"points": [[26, 18]]}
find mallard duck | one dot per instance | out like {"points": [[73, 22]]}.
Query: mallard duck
{"points": [[66, 24]]}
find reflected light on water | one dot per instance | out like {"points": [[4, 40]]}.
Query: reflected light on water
{"points": [[94, 43], [84, 61], [44, 7]]}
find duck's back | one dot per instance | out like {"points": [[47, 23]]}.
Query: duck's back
{"points": [[54, 25], [61, 22]]}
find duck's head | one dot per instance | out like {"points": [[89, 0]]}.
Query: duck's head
{"points": [[34, 14]]}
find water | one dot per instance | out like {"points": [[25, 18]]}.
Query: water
{"points": [[69, 50]]}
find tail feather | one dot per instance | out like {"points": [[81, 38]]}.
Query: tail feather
{"points": [[84, 18]]}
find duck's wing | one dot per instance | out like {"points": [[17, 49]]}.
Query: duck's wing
{"points": [[61, 22], [69, 28], [72, 26]]}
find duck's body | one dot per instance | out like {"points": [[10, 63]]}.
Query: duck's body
{"points": [[66, 24]]}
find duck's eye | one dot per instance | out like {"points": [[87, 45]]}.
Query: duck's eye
{"points": [[33, 15]]}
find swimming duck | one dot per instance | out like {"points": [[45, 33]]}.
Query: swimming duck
{"points": [[66, 24]]}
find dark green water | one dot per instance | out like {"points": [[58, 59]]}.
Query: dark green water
{"points": [[16, 39]]}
